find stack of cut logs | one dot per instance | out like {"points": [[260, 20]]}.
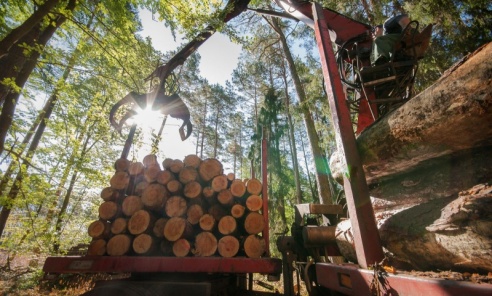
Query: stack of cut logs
{"points": [[185, 208]]}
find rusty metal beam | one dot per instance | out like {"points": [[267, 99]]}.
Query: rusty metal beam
{"points": [[264, 193], [141, 264], [366, 235]]}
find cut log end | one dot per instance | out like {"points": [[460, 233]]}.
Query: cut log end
{"points": [[140, 222], [122, 165], [192, 190], [177, 228], [108, 210], [176, 206], [158, 229], [98, 229], [192, 160], [181, 248], [254, 186], [228, 246], [144, 244], [188, 174], [227, 225], [254, 246], [237, 211], [155, 196], [205, 244], [238, 189], [254, 203], [207, 222], [209, 168], [119, 226], [219, 183], [120, 180], [119, 245], [131, 204], [97, 247], [254, 223], [194, 213]]}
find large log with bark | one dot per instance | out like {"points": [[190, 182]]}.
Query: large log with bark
{"points": [[452, 115], [428, 164]]}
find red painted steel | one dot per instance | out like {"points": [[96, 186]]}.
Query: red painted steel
{"points": [[341, 27], [366, 235], [264, 191], [350, 280], [141, 264]]}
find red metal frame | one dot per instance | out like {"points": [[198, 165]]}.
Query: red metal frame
{"points": [[141, 264], [264, 180], [350, 280], [340, 29], [366, 235]]}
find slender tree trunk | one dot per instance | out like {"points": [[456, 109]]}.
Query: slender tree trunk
{"points": [[35, 19], [8, 110], [204, 124], [322, 170], [216, 132], [292, 142], [311, 186]]}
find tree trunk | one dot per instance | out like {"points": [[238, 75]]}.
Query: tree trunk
{"points": [[292, 141], [8, 41], [324, 186], [11, 98], [452, 115], [430, 165]]}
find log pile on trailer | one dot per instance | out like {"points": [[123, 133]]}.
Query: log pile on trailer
{"points": [[184, 208]]}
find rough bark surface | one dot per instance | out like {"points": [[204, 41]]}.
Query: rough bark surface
{"points": [[429, 168], [452, 115]]}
